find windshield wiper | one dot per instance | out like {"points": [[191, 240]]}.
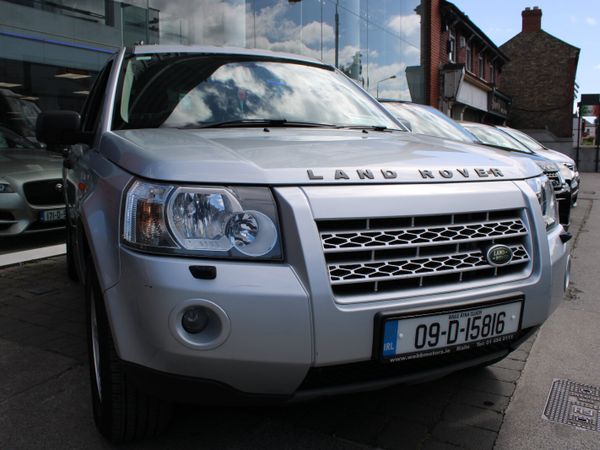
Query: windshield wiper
{"points": [[370, 127], [508, 149], [260, 123]]}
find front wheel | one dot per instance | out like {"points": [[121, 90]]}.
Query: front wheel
{"points": [[122, 412]]}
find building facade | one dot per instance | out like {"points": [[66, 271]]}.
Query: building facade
{"points": [[463, 67], [540, 77], [50, 51]]}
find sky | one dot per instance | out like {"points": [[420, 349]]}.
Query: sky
{"points": [[576, 22]]}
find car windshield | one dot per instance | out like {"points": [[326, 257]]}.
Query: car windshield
{"points": [[524, 138], [428, 121], [191, 90], [492, 136]]}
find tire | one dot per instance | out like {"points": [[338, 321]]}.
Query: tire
{"points": [[71, 266], [122, 412]]}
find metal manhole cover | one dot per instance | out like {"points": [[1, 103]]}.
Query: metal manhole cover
{"points": [[574, 404]]}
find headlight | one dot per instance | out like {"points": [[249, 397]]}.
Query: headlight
{"points": [[566, 171], [5, 188], [552, 171], [545, 193], [213, 222]]}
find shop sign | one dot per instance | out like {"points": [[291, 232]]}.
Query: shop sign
{"points": [[498, 105], [589, 110]]}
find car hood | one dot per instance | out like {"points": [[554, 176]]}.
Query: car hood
{"points": [[27, 163], [279, 156], [555, 156]]}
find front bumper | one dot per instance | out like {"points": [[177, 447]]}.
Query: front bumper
{"points": [[278, 323], [17, 216]]}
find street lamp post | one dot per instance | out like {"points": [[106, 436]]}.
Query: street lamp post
{"points": [[380, 81]]}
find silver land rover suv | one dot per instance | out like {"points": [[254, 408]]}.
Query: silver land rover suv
{"points": [[253, 225]]}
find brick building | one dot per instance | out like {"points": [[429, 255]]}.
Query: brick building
{"points": [[463, 67], [540, 77]]}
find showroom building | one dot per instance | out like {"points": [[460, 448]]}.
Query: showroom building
{"points": [[50, 51]]}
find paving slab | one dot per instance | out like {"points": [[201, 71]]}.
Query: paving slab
{"points": [[23, 367]]}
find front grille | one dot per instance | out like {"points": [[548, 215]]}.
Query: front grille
{"points": [[399, 253], [43, 193], [554, 179], [374, 370]]}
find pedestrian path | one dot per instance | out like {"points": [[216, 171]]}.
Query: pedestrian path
{"points": [[567, 348]]}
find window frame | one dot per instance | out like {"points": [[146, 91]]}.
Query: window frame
{"points": [[481, 71], [451, 46], [92, 108], [469, 56]]}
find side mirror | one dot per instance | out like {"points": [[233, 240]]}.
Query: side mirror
{"points": [[59, 129]]}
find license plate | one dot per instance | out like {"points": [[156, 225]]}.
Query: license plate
{"points": [[438, 334], [52, 215]]}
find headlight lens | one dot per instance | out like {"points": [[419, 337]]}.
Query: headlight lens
{"points": [[545, 193], [202, 221], [5, 188], [566, 172]]}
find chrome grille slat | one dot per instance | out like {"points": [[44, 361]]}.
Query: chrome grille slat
{"points": [[430, 266], [421, 236], [399, 253]]}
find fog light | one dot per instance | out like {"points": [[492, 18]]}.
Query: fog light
{"points": [[194, 320]]}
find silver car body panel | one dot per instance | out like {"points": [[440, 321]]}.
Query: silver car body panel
{"points": [[282, 318], [284, 156]]}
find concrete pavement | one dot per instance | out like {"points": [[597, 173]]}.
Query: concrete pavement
{"points": [[567, 346], [44, 389]]}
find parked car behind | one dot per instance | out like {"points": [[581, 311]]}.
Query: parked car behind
{"points": [[426, 120], [493, 136], [567, 165], [31, 187]]}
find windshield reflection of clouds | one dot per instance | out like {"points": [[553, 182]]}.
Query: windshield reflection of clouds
{"points": [[266, 90]]}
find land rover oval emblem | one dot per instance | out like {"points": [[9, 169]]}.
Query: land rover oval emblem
{"points": [[499, 255]]}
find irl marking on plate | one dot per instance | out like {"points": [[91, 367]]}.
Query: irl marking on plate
{"points": [[574, 404]]}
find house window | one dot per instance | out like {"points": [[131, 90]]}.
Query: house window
{"points": [[452, 48], [469, 57], [481, 66], [492, 69]]}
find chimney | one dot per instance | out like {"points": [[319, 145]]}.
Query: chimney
{"points": [[532, 19]]}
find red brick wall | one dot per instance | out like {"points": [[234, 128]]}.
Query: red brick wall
{"points": [[540, 77], [435, 54]]}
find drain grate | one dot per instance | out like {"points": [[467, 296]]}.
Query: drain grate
{"points": [[574, 404]]}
